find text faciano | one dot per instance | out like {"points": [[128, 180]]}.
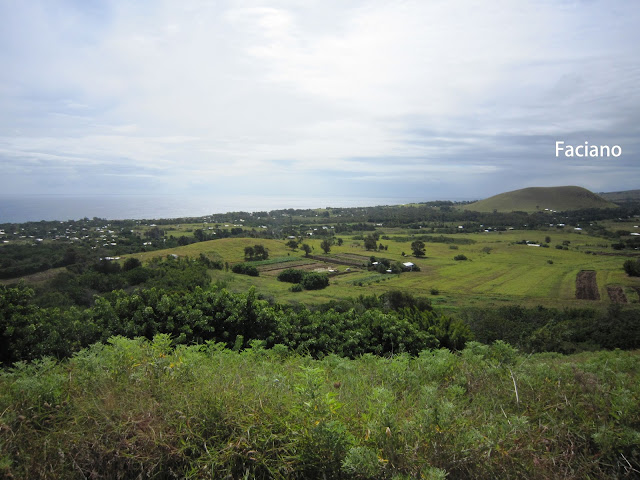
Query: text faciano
{"points": [[587, 150]]}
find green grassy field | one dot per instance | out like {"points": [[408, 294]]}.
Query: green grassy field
{"points": [[497, 271]]}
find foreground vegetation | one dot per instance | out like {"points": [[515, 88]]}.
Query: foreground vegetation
{"points": [[135, 408]]}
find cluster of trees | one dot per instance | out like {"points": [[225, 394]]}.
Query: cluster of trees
{"points": [[214, 314], [303, 279], [542, 329], [257, 252], [79, 283], [24, 259]]}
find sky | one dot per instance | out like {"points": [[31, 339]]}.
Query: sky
{"points": [[434, 99]]}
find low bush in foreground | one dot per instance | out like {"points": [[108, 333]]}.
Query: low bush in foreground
{"points": [[135, 408]]}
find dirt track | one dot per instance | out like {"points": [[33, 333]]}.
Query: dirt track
{"points": [[616, 294], [586, 285]]}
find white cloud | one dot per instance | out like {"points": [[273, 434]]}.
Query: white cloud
{"points": [[255, 91]]}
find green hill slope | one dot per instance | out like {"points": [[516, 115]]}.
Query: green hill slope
{"points": [[625, 196], [540, 198]]}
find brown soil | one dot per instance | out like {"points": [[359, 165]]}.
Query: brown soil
{"points": [[282, 266], [616, 294], [339, 260], [586, 285]]}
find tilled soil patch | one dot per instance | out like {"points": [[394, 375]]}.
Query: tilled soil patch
{"points": [[586, 285], [616, 294]]}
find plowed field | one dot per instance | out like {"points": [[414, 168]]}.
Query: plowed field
{"points": [[586, 285]]}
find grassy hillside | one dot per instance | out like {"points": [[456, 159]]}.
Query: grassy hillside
{"points": [[540, 198], [625, 196], [498, 271]]}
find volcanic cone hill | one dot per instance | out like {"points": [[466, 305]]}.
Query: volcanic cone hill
{"points": [[540, 198]]}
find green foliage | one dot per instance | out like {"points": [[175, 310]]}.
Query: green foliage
{"points": [[304, 279], [550, 330], [460, 257], [245, 269], [418, 248], [325, 245], [632, 267], [146, 408], [131, 263], [315, 281], [257, 252], [370, 242], [292, 244], [291, 275]]}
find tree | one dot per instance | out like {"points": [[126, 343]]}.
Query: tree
{"points": [[326, 245], [307, 249], [340, 242], [292, 244], [131, 263], [370, 243], [257, 252], [261, 253], [418, 248]]}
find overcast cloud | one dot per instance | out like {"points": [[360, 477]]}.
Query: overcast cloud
{"points": [[437, 99]]}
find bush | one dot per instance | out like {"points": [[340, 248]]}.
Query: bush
{"points": [[434, 291], [460, 257], [315, 281], [296, 288], [244, 269], [131, 263], [291, 275], [632, 267]]}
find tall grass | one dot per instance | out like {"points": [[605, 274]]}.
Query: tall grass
{"points": [[144, 409]]}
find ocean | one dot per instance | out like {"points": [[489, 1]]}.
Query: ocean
{"points": [[34, 208]]}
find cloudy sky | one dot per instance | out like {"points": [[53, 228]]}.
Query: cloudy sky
{"points": [[441, 99]]}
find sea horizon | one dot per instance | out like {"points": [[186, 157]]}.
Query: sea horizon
{"points": [[21, 208]]}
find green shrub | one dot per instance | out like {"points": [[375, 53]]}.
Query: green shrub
{"points": [[245, 269], [460, 257], [315, 281], [291, 275], [632, 267]]}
